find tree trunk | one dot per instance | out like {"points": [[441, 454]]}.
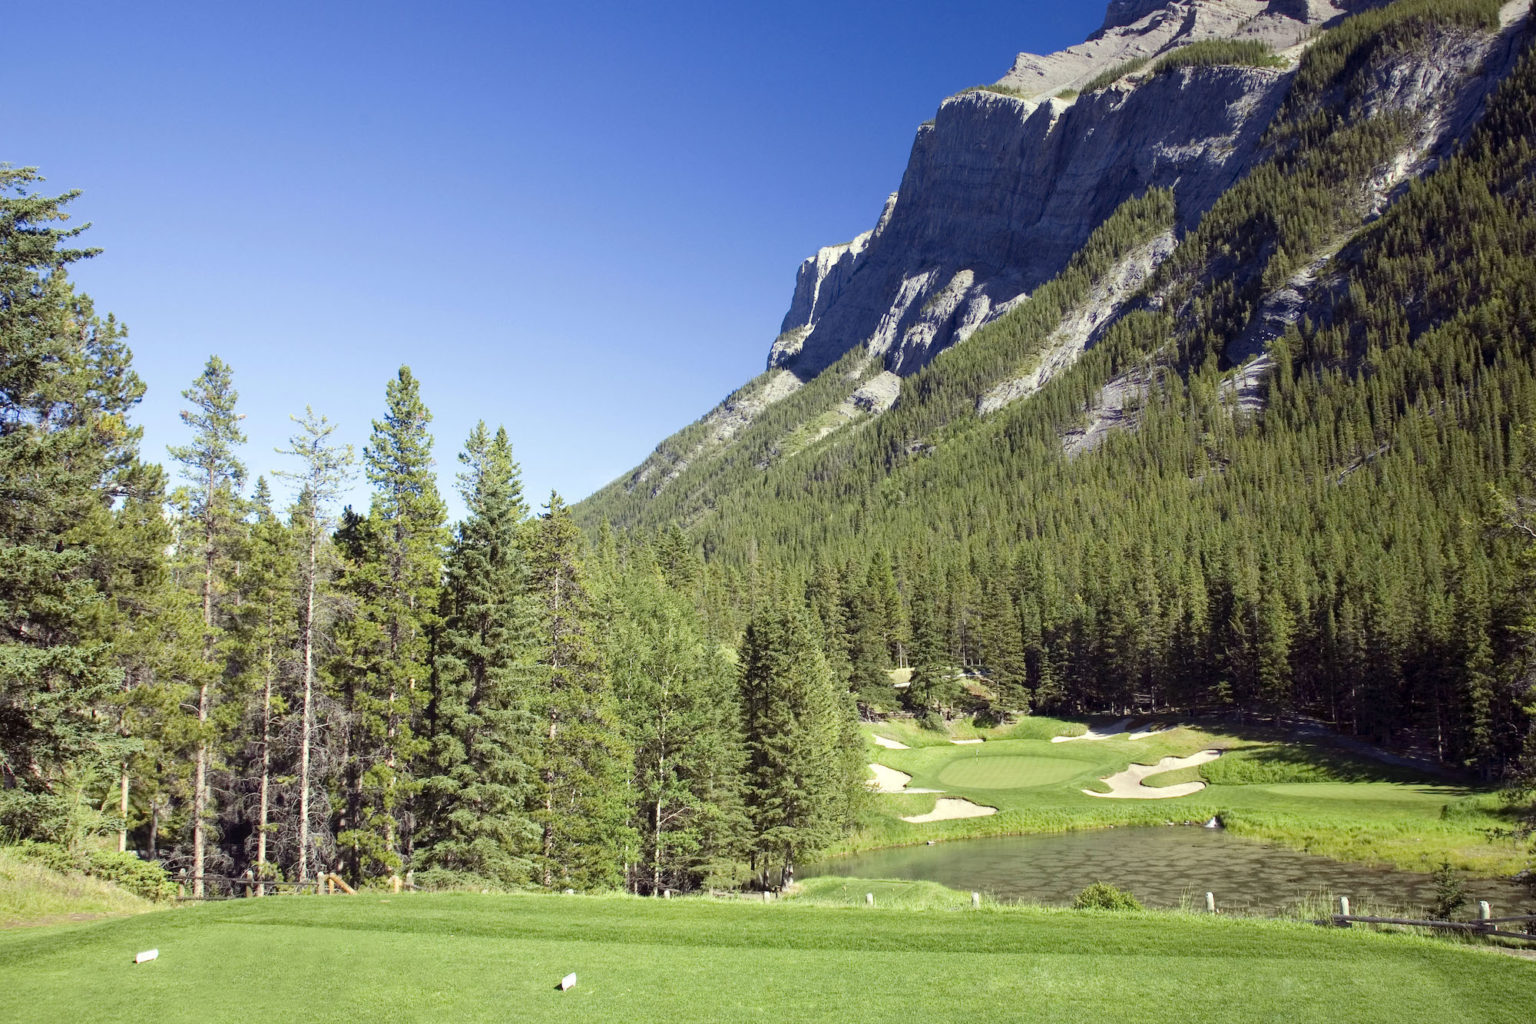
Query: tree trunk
{"points": [[308, 726], [122, 806], [266, 778], [200, 784]]}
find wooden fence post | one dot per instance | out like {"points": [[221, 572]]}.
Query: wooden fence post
{"points": [[1344, 909], [975, 900], [869, 899], [248, 882], [1210, 903], [394, 883], [181, 884]]}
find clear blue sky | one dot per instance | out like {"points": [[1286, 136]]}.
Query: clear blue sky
{"points": [[580, 220]]}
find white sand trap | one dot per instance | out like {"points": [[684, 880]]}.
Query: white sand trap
{"points": [[889, 780], [1127, 785], [950, 808], [965, 742], [881, 741], [1097, 734]]}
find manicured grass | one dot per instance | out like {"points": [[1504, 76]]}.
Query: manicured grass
{"points": [[1008, 771], [31, 893], [466, 958], [1308, 795]]}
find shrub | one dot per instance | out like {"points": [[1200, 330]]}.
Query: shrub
{"points": [[1099, 896], [143, 878], [1450, 892]]}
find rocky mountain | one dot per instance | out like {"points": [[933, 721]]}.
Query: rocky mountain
{"points": [[1008, 183]]}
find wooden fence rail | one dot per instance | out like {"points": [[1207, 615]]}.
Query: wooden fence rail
{"points": [[230, 887], [1486, 923]]}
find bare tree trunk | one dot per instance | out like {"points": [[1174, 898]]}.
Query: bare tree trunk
{"points": [[308, 726], [122, 807], [200, 783], [266, 778]]}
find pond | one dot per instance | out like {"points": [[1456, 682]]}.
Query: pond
{"points": [[1163, 867]]}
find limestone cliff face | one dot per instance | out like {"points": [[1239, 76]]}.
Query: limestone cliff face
{"points": [[1004, 186], [1000, 192]]}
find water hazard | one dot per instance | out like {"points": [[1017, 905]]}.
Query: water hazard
{"points": [[1163, 867]]}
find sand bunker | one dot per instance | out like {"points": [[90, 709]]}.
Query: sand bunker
{"points": [[1108, 731], [881, 741], [1127, 785], [889, 780], [965, 742], [951, 808]]}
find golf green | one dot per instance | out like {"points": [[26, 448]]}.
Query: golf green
{"points": [[1009, 771]]}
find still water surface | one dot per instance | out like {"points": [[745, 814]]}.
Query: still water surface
{"points": [[1162, 867]]}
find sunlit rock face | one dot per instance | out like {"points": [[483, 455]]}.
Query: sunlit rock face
{"points": [[1003, 186]]}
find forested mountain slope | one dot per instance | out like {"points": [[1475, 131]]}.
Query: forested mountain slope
{"points": [[1244, 448]]}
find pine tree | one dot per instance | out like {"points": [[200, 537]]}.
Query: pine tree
{"points": [[580, 804], [211, 505], [266, 644], [325, 467], [394, 569], [66, 388], [800, 734], [484, 739], [677, 698]]}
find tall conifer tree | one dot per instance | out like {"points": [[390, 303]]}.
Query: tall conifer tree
{"points": [[211, 505], [483, 734], [394, 572], [583, 762]]}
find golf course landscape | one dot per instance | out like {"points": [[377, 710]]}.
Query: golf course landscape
{"points": [[471, 957], [1308, 793]]}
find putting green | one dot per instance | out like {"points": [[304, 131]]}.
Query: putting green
{"points": [[1009, 771]]}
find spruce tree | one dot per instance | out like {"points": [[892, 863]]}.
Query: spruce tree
{"points": [[66, 389], [393, 572], [484, 739], [799, 727]]}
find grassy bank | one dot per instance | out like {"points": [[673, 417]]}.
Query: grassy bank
{"points": [[495, 958], [33, 894], [1308, 795]]}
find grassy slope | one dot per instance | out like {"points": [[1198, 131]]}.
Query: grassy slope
{"points": [[1304, 795], [31, 893], [496, 958]]}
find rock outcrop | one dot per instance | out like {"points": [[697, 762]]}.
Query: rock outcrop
{"points": [[1007, 182], [1001, 191]]}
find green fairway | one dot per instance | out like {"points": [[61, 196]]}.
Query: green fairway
{"points": [[1309, 795], [499, 958], [1009, 771]]}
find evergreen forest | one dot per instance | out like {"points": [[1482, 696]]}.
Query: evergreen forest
{"points": [[660, 688]]}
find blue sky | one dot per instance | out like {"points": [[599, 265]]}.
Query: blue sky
{"points": [[580, 220]]}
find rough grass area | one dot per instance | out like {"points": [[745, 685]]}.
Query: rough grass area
{"points": [[468, 958], [1307, 794], [33, 894]]}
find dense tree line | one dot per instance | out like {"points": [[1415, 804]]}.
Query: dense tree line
{"points": [[1332, 551], [236, 686]]}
